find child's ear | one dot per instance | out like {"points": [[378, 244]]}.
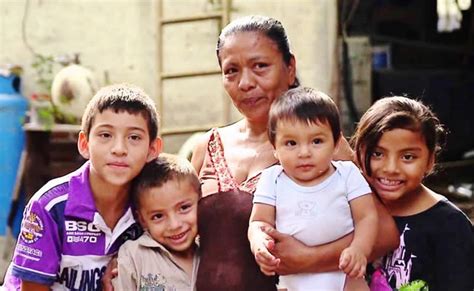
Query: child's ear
{"points": [[338, 143], [155, 149], [139, 216], [275, 154], [337, 146], [431, 164], [292, 71], [83, 145]]}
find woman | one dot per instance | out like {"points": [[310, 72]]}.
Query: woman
{"points": [[257, 66]]}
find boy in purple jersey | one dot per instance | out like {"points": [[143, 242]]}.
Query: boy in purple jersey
{"points": [[74, 224]]}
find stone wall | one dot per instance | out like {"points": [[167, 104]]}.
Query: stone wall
{"points": [[119, 41]]}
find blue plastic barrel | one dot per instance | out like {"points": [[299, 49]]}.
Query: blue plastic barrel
{"points": [[13, 108]]}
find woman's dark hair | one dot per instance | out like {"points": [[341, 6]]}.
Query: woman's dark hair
{"points": [[305, 105], [270, 27], [391, 113]]}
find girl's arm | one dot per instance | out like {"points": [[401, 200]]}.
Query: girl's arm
{"points": [[388, 237], [262, 216], [27, 285], [297, 257], [353, 259]]}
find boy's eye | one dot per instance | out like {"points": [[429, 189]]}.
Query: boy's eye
{"points": [[317, 141], [135, 137], [186, 207], [290, 143], [104, 135], [157, 216]]}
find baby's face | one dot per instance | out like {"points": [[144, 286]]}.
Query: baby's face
{"points": [[169, 214], [305, 150]]}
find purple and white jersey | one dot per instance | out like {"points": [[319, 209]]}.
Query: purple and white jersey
{"points": [[63, 241]]}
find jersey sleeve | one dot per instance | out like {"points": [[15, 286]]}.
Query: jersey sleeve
{"points": [[356, 184], [265, 191], [37, 253], [454, 253]]}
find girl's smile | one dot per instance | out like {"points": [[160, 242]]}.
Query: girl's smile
{"points": [[399, 163]]}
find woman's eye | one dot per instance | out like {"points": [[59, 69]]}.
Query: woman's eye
{"points": [[230, 71], [261, 65]]}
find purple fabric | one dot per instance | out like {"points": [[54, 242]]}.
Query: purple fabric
{"points": [[60, 244]]}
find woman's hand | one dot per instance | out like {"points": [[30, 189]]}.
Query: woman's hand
{"points": [[267, 262], [296, 257], [110, 272], [293, 254]]}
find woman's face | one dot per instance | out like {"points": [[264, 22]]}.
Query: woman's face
{"points": [[254, 73]]}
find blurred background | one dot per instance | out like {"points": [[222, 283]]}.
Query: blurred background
{"points": [[55, 54]]}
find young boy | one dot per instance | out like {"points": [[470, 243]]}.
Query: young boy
{"points": [[74, 224], [308, 195], [165, 196]]}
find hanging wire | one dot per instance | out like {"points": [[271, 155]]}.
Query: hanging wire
{"points": [[23, 28], [346, 67], [350, 15]]}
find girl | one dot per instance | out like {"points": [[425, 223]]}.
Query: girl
{"points": [[396, 142]]}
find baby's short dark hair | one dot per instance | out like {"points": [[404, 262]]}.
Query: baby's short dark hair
{"points": [[119, 98], [166, 167], [306, 105]]}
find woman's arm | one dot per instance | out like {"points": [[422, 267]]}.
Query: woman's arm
{"points": [[296, 257], [110, 273], [27, 285], [199, 152]]}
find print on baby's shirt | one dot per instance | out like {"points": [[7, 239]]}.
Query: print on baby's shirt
{"points": [[306, 208]]}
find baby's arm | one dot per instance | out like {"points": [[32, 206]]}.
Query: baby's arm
{"points": [[262, 217], [353, 259]]}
